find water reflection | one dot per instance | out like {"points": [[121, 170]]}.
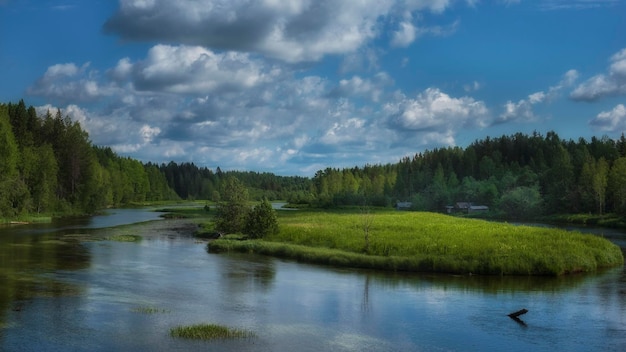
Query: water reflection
{"points": [[83, 296], [28, 267]]}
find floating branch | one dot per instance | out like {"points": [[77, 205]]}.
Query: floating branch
{"points": [[515, 316], [518, 313]]}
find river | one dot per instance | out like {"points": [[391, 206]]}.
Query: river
{"points": [[62, 292]]}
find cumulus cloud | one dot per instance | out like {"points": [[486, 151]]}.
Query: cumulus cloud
{"points": [[408, 31], [611, 121], [69, 82], [185, 69], [213, 92], [436, 115], [405, 35], [360, 87], [521, 110], [294, 31], [604, 85]]}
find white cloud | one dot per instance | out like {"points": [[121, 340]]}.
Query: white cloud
{"points": [[405, 35], [122, 71], [618, 64], [522, 110], [69, 83], [293, 31], [474, 86], [185, 69], [537, 97], [552, 5], [356, 86], [611, 121], [436, 111], [604, 85], [569, 78], [342, 132], [148, 133], [62, 70]]}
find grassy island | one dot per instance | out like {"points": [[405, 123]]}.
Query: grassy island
{"points": [[429, 242]]}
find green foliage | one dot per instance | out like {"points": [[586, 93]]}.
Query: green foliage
{"points": [[8, 147], [617, 185], [432, 242], [261, 221], [233, 211], [571, 176], [48, 165], [521, 202]]}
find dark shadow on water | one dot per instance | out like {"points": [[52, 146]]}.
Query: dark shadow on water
{"points": [[519, 321]]}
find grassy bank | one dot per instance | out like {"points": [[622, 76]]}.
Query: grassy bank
{"points": [[27, 219], [428, 242], [605, 220]]}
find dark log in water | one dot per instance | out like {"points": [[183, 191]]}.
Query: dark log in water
{"points": [[518, 313], [515, 316]]}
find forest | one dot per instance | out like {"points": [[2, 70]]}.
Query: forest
{"points": [[518, 176], [49, 165]]}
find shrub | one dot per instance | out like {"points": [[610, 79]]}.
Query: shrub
{"points": [[261, 221]]}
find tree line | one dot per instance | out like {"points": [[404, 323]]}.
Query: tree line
{"points": [[192, 182], [518, 175], [49, 165]]}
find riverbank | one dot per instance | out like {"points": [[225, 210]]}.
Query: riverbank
{"points": [[25, 220], [429, 242]]}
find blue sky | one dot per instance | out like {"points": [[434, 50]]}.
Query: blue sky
{"points": [[295, 86]]}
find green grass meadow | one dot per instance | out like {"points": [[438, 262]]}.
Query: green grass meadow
{"points": [[429, 242]]}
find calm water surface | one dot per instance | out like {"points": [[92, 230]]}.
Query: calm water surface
{"points": [[58, 293]]}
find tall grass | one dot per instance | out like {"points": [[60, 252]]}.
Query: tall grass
{"points": [[431, 242]]}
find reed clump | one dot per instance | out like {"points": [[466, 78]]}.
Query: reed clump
{"points": [[430, 242], [124, 238], [209, 332], [149, 310]]}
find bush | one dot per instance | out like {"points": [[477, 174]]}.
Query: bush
{"points": [[261, 221]]}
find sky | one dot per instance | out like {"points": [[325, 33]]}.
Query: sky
{"points": [[295, 86]]}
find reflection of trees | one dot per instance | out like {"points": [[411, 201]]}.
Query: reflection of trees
{"points": [[365, 304], [23, 258], [608, 280], [245, 273]]}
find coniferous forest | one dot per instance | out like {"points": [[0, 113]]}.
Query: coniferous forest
{"points": [[49, 165]]}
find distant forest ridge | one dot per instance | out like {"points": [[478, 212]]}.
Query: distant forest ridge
{"points": [[49, 165]]}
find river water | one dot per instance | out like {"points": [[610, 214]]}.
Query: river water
{"points": [[60, 291]]}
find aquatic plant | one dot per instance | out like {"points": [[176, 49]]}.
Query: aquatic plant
{"points": [[124, 238], [209, 332], [149, 310]]}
